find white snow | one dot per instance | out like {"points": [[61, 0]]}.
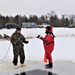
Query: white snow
{"points": [[64, 44]]}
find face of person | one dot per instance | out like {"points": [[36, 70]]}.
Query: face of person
{"points": [[18, 31], [46, 30]]}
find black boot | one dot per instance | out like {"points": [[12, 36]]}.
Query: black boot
{"points": [[49, 66]]}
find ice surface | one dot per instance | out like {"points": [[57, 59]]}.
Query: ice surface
{"points": [[63, 54]]}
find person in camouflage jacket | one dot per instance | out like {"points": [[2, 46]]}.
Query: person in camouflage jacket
{"points": [[17, 40]]}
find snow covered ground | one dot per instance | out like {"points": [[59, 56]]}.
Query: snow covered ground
{"points": [[64, 45]]}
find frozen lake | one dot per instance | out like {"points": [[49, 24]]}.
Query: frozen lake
{"points": [[64, 49], [64, 44], [63, 54]]}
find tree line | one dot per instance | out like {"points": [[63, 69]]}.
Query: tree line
{"points": [[50, 18]]}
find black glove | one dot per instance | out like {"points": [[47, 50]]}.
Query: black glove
{"points": [[26, 42], [38, 36]]}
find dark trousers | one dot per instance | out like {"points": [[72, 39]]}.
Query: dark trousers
{"points": [[16, 54]]}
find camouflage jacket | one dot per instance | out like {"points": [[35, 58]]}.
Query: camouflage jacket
{"points": [[17, 40]]}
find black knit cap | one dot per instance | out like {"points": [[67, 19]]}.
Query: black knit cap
{"points": [[18, 28], [48, 27]]}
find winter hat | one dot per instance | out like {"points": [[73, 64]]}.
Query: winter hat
{"points": [[18, 28]]}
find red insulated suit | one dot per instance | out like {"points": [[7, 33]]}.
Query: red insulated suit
{"points": [[48, 42]]}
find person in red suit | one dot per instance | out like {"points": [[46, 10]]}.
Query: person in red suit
{"points": [[48, 42]]}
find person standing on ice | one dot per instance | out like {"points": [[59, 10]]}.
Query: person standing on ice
{"points": [[48, 42], [17, 40]]}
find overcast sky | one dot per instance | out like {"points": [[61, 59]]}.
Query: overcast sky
{"points": [[36, 7]]}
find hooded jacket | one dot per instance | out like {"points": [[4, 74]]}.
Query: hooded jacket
{"points": [[48, 41]]}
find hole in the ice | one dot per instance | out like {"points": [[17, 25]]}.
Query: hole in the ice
{"points": [[36, 72]]}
